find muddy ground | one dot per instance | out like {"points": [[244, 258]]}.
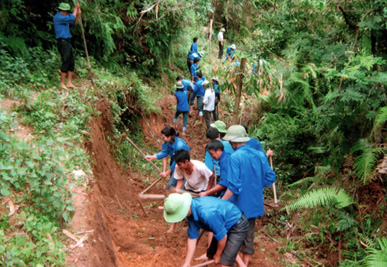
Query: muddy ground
{"points": [[120, 234]]}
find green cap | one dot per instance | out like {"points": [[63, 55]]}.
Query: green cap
{"points": [[223, 30], [176, 207], [236, 134], [220, 125], [64, 7], [233, 46]]}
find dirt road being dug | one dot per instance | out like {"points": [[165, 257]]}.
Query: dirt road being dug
{"points": [[120, 234]]}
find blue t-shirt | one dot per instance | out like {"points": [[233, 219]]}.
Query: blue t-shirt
{"points": [[168, 149], [194, 48], [192, 55], [194, 69], [248, 173], [182, 101], [230, 53], [254, 143], [217, 92], [199, 88], [212, 214], [62, 25], [187, 84]]}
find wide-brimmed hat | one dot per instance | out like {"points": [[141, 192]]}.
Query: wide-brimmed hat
{"points": [[64, 7], [233, 46], [220, 125], [236, 134], [179, 85], [215, 79], [205, 83], [176, 207], [223, 30]]}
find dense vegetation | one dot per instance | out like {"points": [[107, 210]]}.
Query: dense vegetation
{"points": [[319, 103]]}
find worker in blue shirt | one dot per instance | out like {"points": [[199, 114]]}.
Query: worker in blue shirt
{"points": [[230, 52], [213, 134], [193, 53], [194, 70], [63, 20], [221, 217], [170, 146], [217, 152], [248, 174], [215, 83], [198, 92], [182, 106], [188, 85]]}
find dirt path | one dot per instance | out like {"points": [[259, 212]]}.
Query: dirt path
{"points": [[122, 235]]}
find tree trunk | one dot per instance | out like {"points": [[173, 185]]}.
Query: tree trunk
{"points": [[238, 92]]}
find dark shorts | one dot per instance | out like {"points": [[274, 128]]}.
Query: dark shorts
{"points": [[66, 52], [235, 237], [248, 243]]}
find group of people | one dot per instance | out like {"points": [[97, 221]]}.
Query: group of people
{"points": [[222, 195]]}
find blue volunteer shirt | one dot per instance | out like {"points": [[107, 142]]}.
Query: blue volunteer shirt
{"points": [[194, 48], [192, 55], [187, 84], [254, 143], [169, 149], [212, 214], [216, 89], [248, 174], [62, 25], [182, 101], [229, 52], [199, 88], [194, 69]]}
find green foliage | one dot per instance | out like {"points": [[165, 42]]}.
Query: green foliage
{"points": [[322, 197], [365, 162], [377, 256]]}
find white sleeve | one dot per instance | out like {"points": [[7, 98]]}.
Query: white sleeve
{"points": [[178, 173], [205, 99]]}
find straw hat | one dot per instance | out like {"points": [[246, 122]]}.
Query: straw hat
{"points": [[222, 30], [179, 85]]}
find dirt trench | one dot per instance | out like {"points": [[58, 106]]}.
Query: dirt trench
{"points": [[123, 235]]}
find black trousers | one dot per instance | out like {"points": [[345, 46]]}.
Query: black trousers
{"points": [[66, 53], [220, 56]]}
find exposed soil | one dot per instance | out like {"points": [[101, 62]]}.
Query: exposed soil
{"points": [[123, 235]]}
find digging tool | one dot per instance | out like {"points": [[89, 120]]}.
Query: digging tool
{"points": [[151, 130], [274, 188], [142, 194], [204, 263], [90, 74]]}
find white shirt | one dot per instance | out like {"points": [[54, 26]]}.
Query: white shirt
{"points": [[209, 100], [198, 180], [220, 36]]}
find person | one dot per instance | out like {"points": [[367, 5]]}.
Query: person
{"points": [[214, 134], [254, 143], [197, 176], [193, 53], [194, 70], [215, 84], [221, 217], [63, 20], [221, 43], [208, 103], [170, 146], [216, 150], [230, 52], [182, 106], [198, 92], [188, 85], [248, 173]]}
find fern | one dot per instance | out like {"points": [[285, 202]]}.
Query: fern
{"points": [[365, 162], [377, 257], [322, 197], [380, 119]]}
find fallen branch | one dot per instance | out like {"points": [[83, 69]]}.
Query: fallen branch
{"points": [[70, 235], [80, 242], [204, 263]]}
